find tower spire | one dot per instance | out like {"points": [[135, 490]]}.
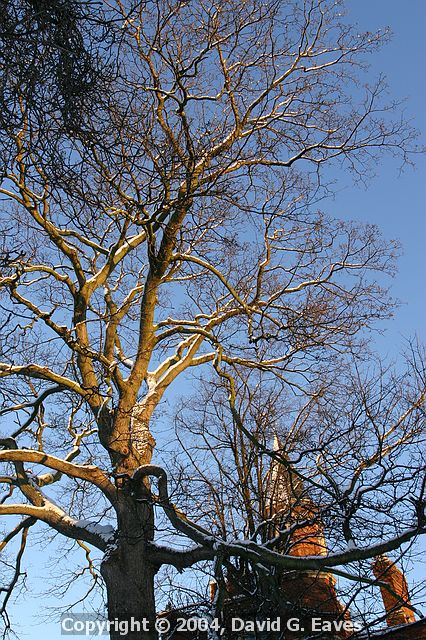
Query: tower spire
{"points": [[283, 488]]}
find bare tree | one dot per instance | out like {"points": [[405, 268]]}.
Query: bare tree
{"points": [[176, 230]]}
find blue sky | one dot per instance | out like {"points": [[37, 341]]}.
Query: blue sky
{"points": [[394, 202]]}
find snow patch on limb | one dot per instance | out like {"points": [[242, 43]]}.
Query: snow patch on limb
{"points": [[61, 521], [105, 531]]}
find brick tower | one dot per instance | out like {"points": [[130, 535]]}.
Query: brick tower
{"points": [[288, 505], [395, 598]]}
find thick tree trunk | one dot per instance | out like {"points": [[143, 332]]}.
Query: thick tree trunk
{"points": [[127, 569], [129, 579]]}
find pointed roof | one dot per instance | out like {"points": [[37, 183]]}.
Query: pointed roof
{"points": [[283, 486]]}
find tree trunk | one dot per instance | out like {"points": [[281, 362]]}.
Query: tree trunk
{"points": [[127, 569], [129, 579]]}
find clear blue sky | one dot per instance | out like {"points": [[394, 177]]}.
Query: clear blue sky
{"points": [[396, 204]]}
